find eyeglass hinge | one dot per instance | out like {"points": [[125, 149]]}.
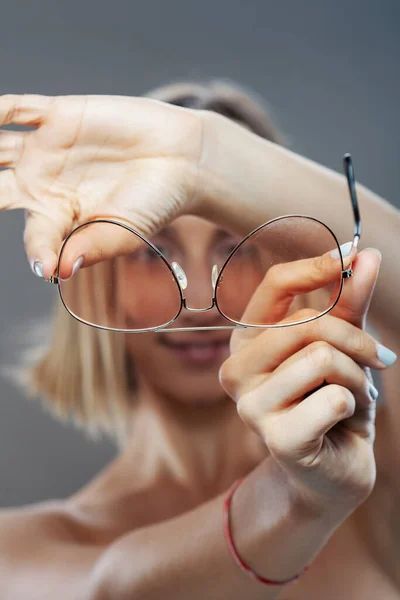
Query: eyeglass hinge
{"points": [[348, 273]]}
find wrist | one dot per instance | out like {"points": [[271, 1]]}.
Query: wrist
{"points": [[229, 189], [268, 512]]}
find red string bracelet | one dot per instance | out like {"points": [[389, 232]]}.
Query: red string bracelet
{"points": [[232, 548]]}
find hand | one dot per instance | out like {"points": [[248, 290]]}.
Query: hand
{"points": [[134, 159], [303, 390]]}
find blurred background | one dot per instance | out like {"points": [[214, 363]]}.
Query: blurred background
{"points": [[328, 70]]}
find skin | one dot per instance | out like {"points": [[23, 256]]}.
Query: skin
{"points": [[178, 443], [176, 395], [178, 470]]}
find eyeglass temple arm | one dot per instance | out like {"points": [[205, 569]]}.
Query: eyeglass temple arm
{"points": [[351, 182]]}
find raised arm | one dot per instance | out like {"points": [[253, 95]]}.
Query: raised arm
{"points": [[247, 180], [138, 160]]}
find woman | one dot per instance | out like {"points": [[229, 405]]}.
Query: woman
{"points": [[149, 525]]}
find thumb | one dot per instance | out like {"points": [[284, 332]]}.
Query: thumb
{"points": [[357, 291], [42, 239]]}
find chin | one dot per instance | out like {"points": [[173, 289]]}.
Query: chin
{"points": [[193, 391], [188, 375], [206, 400]]}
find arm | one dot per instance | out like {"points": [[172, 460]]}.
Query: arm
{"points": [[144, 169], [238, 165], [187, 555], [290, 504]]}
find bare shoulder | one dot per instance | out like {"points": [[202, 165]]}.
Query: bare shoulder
{"points": [[48, 521], [45, 550], [20, 524], [50, 549]]}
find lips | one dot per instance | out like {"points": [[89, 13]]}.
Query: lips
{"points": [[198, 350]]}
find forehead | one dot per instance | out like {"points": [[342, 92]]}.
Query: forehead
{"points": [[189, 226]]}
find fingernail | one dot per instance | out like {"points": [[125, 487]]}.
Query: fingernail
{"points": [[373, 392], [345, 250], [385, 355], [75, 267], [77, 264], [375, 251], [37, 268]]}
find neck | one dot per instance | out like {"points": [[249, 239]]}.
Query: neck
{"points": [[190, 452], [202, 447]]}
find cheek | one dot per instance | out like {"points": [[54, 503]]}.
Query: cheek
{"points": [[237, 288], [145, 303]]}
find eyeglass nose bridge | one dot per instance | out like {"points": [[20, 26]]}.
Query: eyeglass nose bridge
{"points": [[198, 310], [182, 280]]}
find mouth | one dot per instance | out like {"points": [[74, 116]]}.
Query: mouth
{"points": [[196, 350]]}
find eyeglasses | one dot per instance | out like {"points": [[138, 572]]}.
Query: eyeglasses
{"points": [[289, 263]]}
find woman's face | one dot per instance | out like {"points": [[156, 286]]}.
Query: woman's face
{"points": [[182, 365]]}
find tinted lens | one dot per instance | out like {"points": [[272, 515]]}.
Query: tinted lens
{"points": [[281, 268], [132, 291]]}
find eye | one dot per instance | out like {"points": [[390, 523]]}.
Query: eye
{"points": [[165, 250], [224, 249], [169, 249], [228, 248], [144, 254]]}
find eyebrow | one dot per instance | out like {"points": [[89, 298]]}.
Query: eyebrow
{"points": [[168, 232], [218, 235]]}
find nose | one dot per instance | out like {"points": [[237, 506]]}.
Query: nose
{"points": [[197, 285]]}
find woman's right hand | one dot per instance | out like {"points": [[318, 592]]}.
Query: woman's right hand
{"points": [[134, 159], [306, 391]]}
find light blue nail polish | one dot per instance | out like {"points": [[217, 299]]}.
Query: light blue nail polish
{"points": [[37, 268], [385, 355], [345, 250], [375, 251], [373, 391]]}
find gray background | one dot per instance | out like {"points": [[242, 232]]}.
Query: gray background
{"points": [[329, 70]]}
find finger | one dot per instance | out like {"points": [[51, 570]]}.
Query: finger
{"points": [[240, 370], [42, 239], [96, 242], [323, 364], [318, 365], [26, 109], [298, 434], [282, 282], [8, 190], [11, 147], [357, 290]]}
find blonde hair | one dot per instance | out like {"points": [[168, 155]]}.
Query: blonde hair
{"points": [[83, 374]]}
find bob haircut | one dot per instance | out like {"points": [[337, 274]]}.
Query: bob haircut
{"points": [[84, 374]]}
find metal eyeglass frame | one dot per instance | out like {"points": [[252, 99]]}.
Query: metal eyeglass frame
{"points": [[180, 277]]}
